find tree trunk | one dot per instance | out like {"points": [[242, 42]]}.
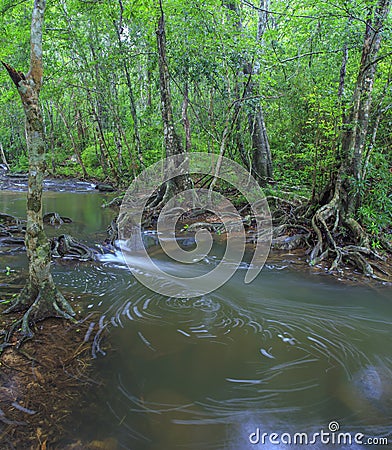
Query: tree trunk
{"points": [[106, 159], [40, 294], [260, 159], [354, 137], [172, 140], [261, 152], [51, 136], [74, 145], [185, 119], [132, 103], [3, 158]]}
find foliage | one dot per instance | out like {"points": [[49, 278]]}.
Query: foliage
{"points": [[21, 164], [376, 209], [90, 159], [101, 67]]}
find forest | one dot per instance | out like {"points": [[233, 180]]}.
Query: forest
{"points": [[276, 81], [290, 90], [295, 95]]}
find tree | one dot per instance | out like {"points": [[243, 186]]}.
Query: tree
{"points": [[341, 199], [39, 296], [126, 85], [260, 158], [261, 152], [136, 133], [172, 140]]}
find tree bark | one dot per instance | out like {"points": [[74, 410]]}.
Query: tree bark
{"points": [[50, 115], [77, 151], [262, 168], [3, 158], [185, 119], [132, 103], [262, 159], [40, 294], [172, 140]]}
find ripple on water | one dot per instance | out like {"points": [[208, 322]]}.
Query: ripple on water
{"points": [[282, 353]]}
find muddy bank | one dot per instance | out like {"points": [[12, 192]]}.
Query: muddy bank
{"points": [[44, 381], [42, 384]]}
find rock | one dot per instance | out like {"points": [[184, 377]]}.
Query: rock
{"points": [[373, 384], [106, 444], [369, 394], [105, 187], [187, 242], [369, 384]]}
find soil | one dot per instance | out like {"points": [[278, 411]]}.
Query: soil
{"points": [[43, 382]]}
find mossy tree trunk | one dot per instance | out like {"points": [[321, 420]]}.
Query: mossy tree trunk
{"points": [[40, 296], [355, 136]]}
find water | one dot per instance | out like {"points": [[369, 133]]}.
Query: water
{"points": [[291, 352], [84, 208]]}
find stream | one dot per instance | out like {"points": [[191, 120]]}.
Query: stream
{"points": [[293, 352]]}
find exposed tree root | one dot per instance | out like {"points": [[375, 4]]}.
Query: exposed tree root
{"points": [[211, 226], [326, 230], [325, 223], [42, 383], [41, 303], [279, 201], [281, 229], [330, 234], [164, 194], [66, 246], [7, 219], [114, 203], [167, 191], [54, 219]]}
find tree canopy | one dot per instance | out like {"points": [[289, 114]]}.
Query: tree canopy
{"points": [[101, 94]]}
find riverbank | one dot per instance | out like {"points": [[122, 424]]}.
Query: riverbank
{"points": [[44, 381], [291, 243], [286, 238]]}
